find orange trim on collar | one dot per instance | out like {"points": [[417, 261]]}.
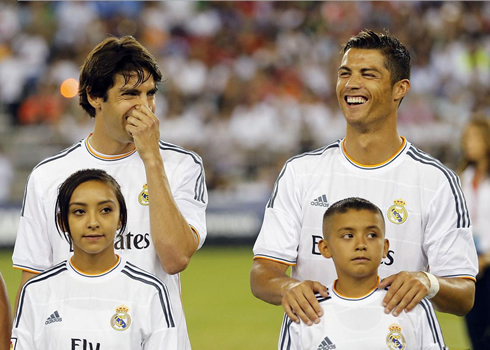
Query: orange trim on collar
{"points": [[362, 296], [105, 156], [375, 165], [95, 274]]}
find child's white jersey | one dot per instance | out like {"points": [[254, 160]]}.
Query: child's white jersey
{"points": [[123, 308], [427, 221], [39, 246], [360, 323]]}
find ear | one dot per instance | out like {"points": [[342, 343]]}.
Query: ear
{"points": [[119, 225], [400, 89], [324, 249], [95, 102], [386, 247]]}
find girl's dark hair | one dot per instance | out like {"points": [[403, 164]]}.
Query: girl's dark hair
{"points": [[114, 56], [480, 122], [397, 57], [66, 189]]}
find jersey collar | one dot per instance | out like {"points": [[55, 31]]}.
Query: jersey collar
{"points": [[104, 273], [393, 158], [334, 290], [105, 157]]}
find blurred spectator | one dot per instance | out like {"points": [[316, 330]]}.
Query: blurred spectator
{"points": [[6, 176], [475, 179], [247, 81]]}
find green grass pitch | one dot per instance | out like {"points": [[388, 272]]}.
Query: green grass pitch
{"points": [[221, 311]]}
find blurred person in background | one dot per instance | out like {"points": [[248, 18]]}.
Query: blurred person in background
{"points": [[5, 316], [163, 184], [475, 180]]}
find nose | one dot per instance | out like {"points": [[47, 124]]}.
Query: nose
{"points": [[93, 223], [361, 244], [353, 82]]}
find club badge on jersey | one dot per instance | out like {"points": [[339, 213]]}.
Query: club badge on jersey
{"points": [[144, 197], [397, 213], [121, 320], [395, 339]]}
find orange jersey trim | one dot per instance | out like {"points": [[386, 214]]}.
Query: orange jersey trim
{"points": [[26, 270], [95, 274], [375, 165], [105, 156], [362, 296], [196, 234], [275, 260]]}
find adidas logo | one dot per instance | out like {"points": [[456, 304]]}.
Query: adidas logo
{"points": [[326, 344], [55, 317], [320, 201]]}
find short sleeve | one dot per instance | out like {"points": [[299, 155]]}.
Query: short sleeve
{"points": [[278, 239]]}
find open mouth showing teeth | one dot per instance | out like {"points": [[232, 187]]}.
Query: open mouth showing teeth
{"points": [[355, 100]]}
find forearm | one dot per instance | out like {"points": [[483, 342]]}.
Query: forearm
{"points": [[269, 281], [173, 239], [456, 296]]}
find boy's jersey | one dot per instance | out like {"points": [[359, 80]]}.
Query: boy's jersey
{"points": [[39, 245], [123, 308], [427, 222], [360, 323]]}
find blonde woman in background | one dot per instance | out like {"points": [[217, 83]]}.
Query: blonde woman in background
{"points": [[475, 178]]}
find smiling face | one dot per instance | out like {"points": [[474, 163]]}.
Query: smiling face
{"points": [[355, 241], [93, 219], [111, 113], [364, 90]]}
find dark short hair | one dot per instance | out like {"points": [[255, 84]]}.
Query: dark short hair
{"points": [[351, 203], [397, 57], [111, 57], [66, 189]]}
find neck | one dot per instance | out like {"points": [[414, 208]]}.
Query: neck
{"points": [[94, 264], [105, 145], [356, 287], [371, 149]]}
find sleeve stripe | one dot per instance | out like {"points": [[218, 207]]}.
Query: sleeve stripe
{"points": [[272, 258], [317, 152], [433, 324], [139, 275], [26, 268], [463, 215], [41, 277], [285, 337], [199, 188]]}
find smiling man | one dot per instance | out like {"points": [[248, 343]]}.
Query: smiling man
{"points": [[432, 253], [163, 184]]}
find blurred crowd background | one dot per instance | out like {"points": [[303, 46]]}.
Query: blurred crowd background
{"points": [[247, 84]]}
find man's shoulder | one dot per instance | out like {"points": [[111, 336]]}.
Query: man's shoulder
{"points": [[60, 159], [179, 153], [313, 158]]}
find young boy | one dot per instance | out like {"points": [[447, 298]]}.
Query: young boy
{"points": [[354, 318]]}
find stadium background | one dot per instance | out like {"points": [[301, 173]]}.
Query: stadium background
{"points": [[247, 85]]}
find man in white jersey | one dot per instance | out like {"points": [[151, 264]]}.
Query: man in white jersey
{"points": [[354, 231], [427, 220], [163, 184]]}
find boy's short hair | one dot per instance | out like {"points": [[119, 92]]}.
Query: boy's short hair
{"points": [[355, 203]]}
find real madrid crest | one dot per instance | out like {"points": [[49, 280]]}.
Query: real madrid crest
{"points": [[397, 213], [143, 197], [395, 339], [121, 321]]}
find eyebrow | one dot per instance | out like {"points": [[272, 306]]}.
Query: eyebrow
{"points": [[136, 90], [109, 201], [371, 227], [363, 70]]}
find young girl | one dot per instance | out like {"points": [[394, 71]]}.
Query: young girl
{"points": [[96, 300]]}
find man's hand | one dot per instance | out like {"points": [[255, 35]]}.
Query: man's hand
{"points": [[299, 301], [406, 290], [143, 125]]}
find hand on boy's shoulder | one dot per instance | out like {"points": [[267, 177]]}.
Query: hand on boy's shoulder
{"points": [[406, 290], [300, 302]]}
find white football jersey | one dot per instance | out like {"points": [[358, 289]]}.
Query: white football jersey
{"points": [[360, 323], [427, 222], [39, 246], [123, 308]]}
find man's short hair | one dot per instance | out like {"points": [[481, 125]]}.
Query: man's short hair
{"points": [[351, 203], [111, 57], [397, 57]]}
